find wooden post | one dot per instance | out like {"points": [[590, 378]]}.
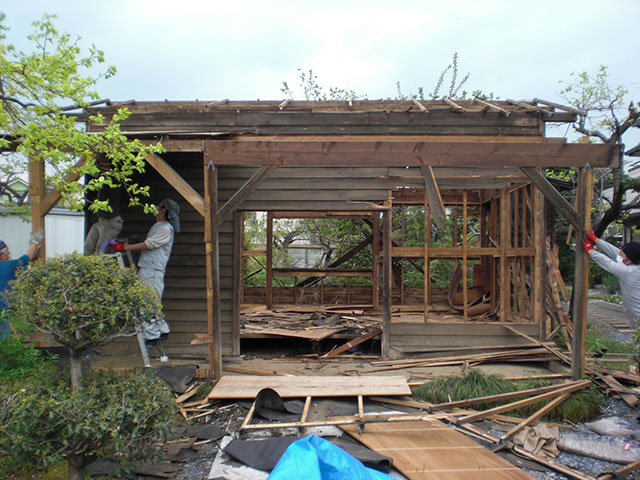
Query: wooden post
{"points": [[427, 244], [465, 293], [37, 191], [269, 260], [402, 207], [493, 233], [212, 261], [581, 277], [386, 273], [504, 298], [238, 280], [539, 260], [375, 267]]}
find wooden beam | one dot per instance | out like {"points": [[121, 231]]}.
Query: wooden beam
{"points": [[386, 284], [212, 260], [230, 206], [504, 299], [238, 280], [427, 244], [465, 290], [269, 260], [581, 278], [37, 190], [433, 194], [52, 198], [176, 181], [553, 196], [360, 150], [375, 284], [532, 418]]}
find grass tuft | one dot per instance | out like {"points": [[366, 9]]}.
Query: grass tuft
{"points": [[579, 407]]}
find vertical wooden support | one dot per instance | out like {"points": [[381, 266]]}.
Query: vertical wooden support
{"points": [[539, 260], [402, 219], [269, 261], [493, 234], [37, 191], [386, 284], [375, 267], [212, 262], [465, 292], [504, 296], [238, 276], [427, 244], [581, 278]]}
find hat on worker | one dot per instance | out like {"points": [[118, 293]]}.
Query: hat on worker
{"points": [[173, 213], [632, 251]]}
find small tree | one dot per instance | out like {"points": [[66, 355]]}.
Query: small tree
{"points": [[39, 90], [82, 302]]}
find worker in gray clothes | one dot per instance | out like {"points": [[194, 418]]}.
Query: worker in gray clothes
{"points": [[624, 264], [154, 256]]}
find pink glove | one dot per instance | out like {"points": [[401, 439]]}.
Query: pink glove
{"points": [[591, 236], [588, 245], [118, 247]]}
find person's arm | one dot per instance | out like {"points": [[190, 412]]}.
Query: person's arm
{"points": [[611, 266], [608, 249], [32, 251], [135, 247]]}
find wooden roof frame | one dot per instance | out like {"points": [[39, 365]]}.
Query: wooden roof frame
{"points": [[433, 135]]}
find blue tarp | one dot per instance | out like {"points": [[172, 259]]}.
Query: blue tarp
{"points": [[314, 458]]}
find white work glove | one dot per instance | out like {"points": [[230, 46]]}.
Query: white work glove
{"points": [[37, 237]]}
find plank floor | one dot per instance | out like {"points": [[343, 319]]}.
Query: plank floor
{"points": [[248, 386], [429, 450]]}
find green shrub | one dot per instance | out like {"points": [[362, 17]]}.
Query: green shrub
{"points": [[17, 359], [117, 415]]}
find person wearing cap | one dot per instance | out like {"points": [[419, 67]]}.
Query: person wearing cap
{"points": [[154, 256], [624, 264], [8, 270]]}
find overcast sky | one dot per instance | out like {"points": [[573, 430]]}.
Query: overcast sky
{"points": [[243, 50]]}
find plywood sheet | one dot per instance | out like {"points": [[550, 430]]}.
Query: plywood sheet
{"points": [[429, 450], [248, 386]]}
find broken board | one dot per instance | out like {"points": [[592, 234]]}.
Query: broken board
{"points": [[429, 450], [234, 387], [315, 334]]}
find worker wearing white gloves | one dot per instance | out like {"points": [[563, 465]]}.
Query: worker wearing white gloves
{"points": [[624, 264], [154, 256], [8, 270]]}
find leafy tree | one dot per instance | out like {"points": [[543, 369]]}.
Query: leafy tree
{"points": [[38, 92], [607, 117], [82, 302]]}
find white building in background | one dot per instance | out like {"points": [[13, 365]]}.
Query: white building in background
{"points": [[64, 232]]}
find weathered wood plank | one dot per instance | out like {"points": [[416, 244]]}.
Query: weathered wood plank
{"points": [[248, 386]]}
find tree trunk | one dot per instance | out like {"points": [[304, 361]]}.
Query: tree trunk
{"points": [[614, 211], [75, 360], [75, 467]]}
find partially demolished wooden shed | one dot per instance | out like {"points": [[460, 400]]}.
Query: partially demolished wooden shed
{"points": [[367, 160]]}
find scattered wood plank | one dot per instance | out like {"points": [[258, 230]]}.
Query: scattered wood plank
{"points": [[248, 386], [353, 343], [629, 398], [528, 421], [619, 473], [570, 472], [527, 401]]}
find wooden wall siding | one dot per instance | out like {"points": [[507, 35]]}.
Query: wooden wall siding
{"points": [[346, 188], [461, 334]]}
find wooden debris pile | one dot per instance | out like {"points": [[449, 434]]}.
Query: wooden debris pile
{"points": [[308, 323], [429, 430]]}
